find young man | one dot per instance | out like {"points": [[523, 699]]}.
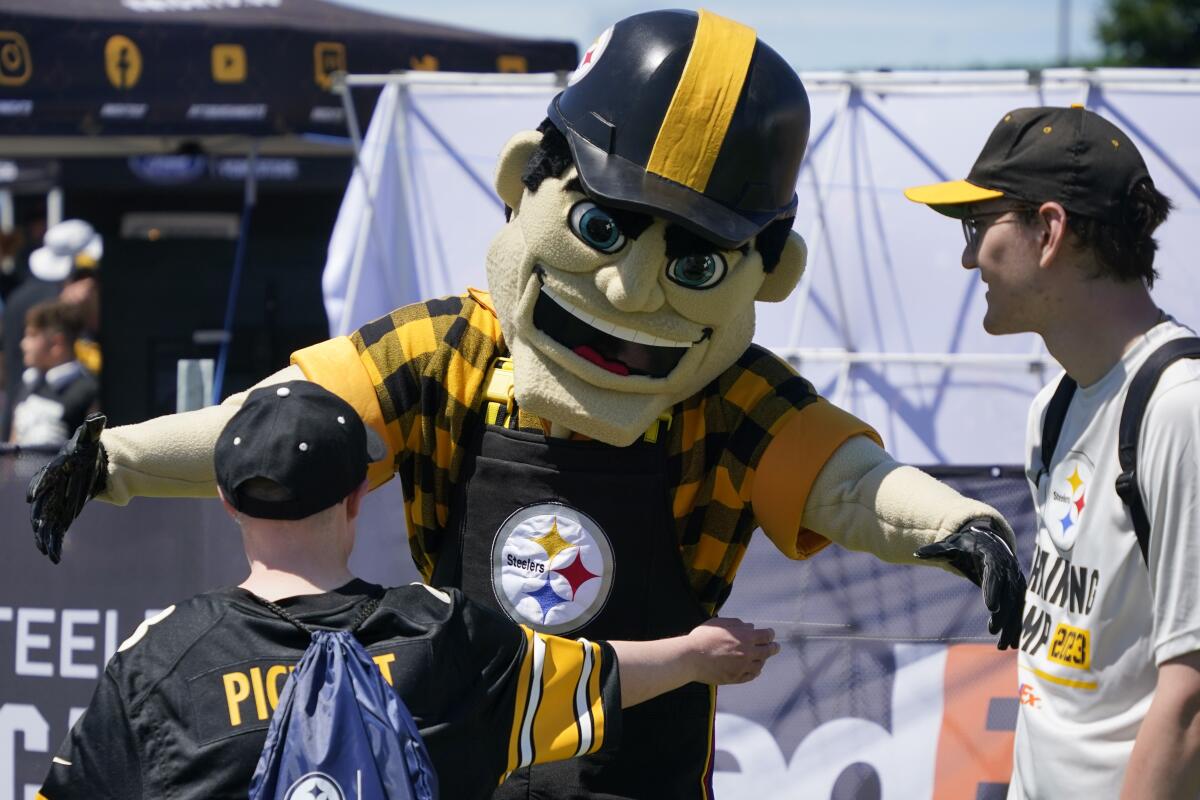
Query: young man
{"points": [[1059, 213], [56, 392], [183, 708]]}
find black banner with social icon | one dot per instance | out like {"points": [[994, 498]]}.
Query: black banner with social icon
{"points": [[259, 67]]}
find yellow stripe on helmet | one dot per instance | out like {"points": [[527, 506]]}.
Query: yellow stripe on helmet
{"points": [[694, 127]]}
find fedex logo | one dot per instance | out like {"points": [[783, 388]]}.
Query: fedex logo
{"points": [[953, 715]]}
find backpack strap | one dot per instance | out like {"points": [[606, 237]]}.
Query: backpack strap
{"points": [[1132, 414], [1056, 413], [364, 611]]}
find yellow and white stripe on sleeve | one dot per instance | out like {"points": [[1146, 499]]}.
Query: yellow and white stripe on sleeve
{"points": [[558, 712]]}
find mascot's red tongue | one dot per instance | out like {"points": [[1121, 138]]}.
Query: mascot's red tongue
{"points": [[588, 352]]}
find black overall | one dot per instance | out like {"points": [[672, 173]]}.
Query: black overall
{"points": [[664, 748]]}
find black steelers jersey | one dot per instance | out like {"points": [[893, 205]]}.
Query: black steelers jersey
{"points": [[183, 707]]}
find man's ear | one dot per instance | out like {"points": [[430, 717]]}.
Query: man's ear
{"points": [[1053, 232], [779, 282], [511, 165], [230, 510], [355, 498]]}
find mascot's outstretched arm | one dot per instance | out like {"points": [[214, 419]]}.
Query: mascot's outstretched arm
{"points": [[172, 455], [169, 456], [862, 499]]}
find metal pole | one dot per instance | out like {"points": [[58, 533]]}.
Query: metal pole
{"points": [[7, 217], [235, 281], [820, 192], [1064, 32], [7, 223], [54, 206]]}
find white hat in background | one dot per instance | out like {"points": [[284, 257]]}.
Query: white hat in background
{"points": [[69, 244]]}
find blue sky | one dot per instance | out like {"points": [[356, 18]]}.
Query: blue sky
{"points": [[814, 34]]}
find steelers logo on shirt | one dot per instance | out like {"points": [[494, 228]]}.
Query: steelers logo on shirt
{"points": [[315, 786], [1067, 499], [552, 567]]}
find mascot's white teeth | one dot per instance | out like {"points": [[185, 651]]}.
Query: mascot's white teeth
{"points": [[611, 328]]}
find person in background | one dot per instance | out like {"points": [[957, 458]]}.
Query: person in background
{"points": [[57, 392], [23, 290], [1059, 213], [70, 249], [82, 291], [182, 709], [71, 259]]}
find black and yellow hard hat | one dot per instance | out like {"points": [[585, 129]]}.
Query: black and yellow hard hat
{"points": [[689, 117]]}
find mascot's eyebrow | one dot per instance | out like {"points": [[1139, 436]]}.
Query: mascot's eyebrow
{"points": [[631, 223], [682, 242]]}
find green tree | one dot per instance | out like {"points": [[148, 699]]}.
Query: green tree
{"points": [[1152, 33]]}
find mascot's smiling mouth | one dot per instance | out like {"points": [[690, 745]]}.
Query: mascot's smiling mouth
{"points": [[620, 350]]}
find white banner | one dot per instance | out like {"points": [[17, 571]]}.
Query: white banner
{"points": [[885, 323]]}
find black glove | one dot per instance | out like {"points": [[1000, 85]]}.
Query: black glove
{"points": [[982, 555], [59, 489]]}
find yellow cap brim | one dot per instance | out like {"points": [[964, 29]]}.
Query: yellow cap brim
{"points": [[951, 197]]}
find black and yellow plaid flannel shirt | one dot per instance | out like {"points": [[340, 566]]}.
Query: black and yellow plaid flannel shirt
{"points": [[425, 366]]}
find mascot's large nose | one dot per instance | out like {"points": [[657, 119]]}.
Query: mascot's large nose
{"points": [[631, 286]]}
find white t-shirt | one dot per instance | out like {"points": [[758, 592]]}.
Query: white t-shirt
{"points": [[1097, 621]]}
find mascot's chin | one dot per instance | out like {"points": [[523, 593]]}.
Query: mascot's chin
{"points": [[564, 399], [610, 408]]}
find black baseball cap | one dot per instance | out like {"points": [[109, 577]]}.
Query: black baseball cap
{"points": [[304, 438], [1069, 155]]}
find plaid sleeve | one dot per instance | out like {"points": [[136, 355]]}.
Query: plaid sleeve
{"points": [[425, 365], [336, 365], [718, 441], [788, 468]]}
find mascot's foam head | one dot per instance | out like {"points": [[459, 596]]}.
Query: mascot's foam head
{"points": [[648, 213]]}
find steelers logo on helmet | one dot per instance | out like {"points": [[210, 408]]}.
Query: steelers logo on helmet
{"points": [[1067, 499], [315, 786], [552, 567], [590, 57]]}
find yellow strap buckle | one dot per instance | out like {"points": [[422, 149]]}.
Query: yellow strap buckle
{"points": [[498, 393]]}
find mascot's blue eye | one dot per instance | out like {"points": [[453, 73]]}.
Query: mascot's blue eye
{"points": [[596, 227], [698, 271]]}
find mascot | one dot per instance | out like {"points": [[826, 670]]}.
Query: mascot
{"points": [[589, 446]]}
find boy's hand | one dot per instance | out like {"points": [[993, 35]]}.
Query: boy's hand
{"points": [[727, 650]]}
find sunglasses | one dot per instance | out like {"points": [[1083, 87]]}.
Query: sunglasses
{"points": [[975, 225]]}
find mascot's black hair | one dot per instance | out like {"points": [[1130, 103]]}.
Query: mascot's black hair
{"points": [[553, 156]]}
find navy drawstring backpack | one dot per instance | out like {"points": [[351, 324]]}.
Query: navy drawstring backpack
{"points": [[340, 732]]}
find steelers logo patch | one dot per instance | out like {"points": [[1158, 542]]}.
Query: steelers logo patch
{"points": [[590, 57], [315, 786], [1067, 499], [552, 567]]}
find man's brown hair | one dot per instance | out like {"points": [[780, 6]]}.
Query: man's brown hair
{"points": [[54, 316], [1124, 251]]}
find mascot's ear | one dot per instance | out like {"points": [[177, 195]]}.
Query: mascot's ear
{"points": [[509, 169], [779, 282]]}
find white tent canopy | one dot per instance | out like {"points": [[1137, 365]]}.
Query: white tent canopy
{"points": [[884, 322]]}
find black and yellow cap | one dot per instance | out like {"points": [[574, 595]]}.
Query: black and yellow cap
{"points": [[689, 117], [1069, 155]]}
